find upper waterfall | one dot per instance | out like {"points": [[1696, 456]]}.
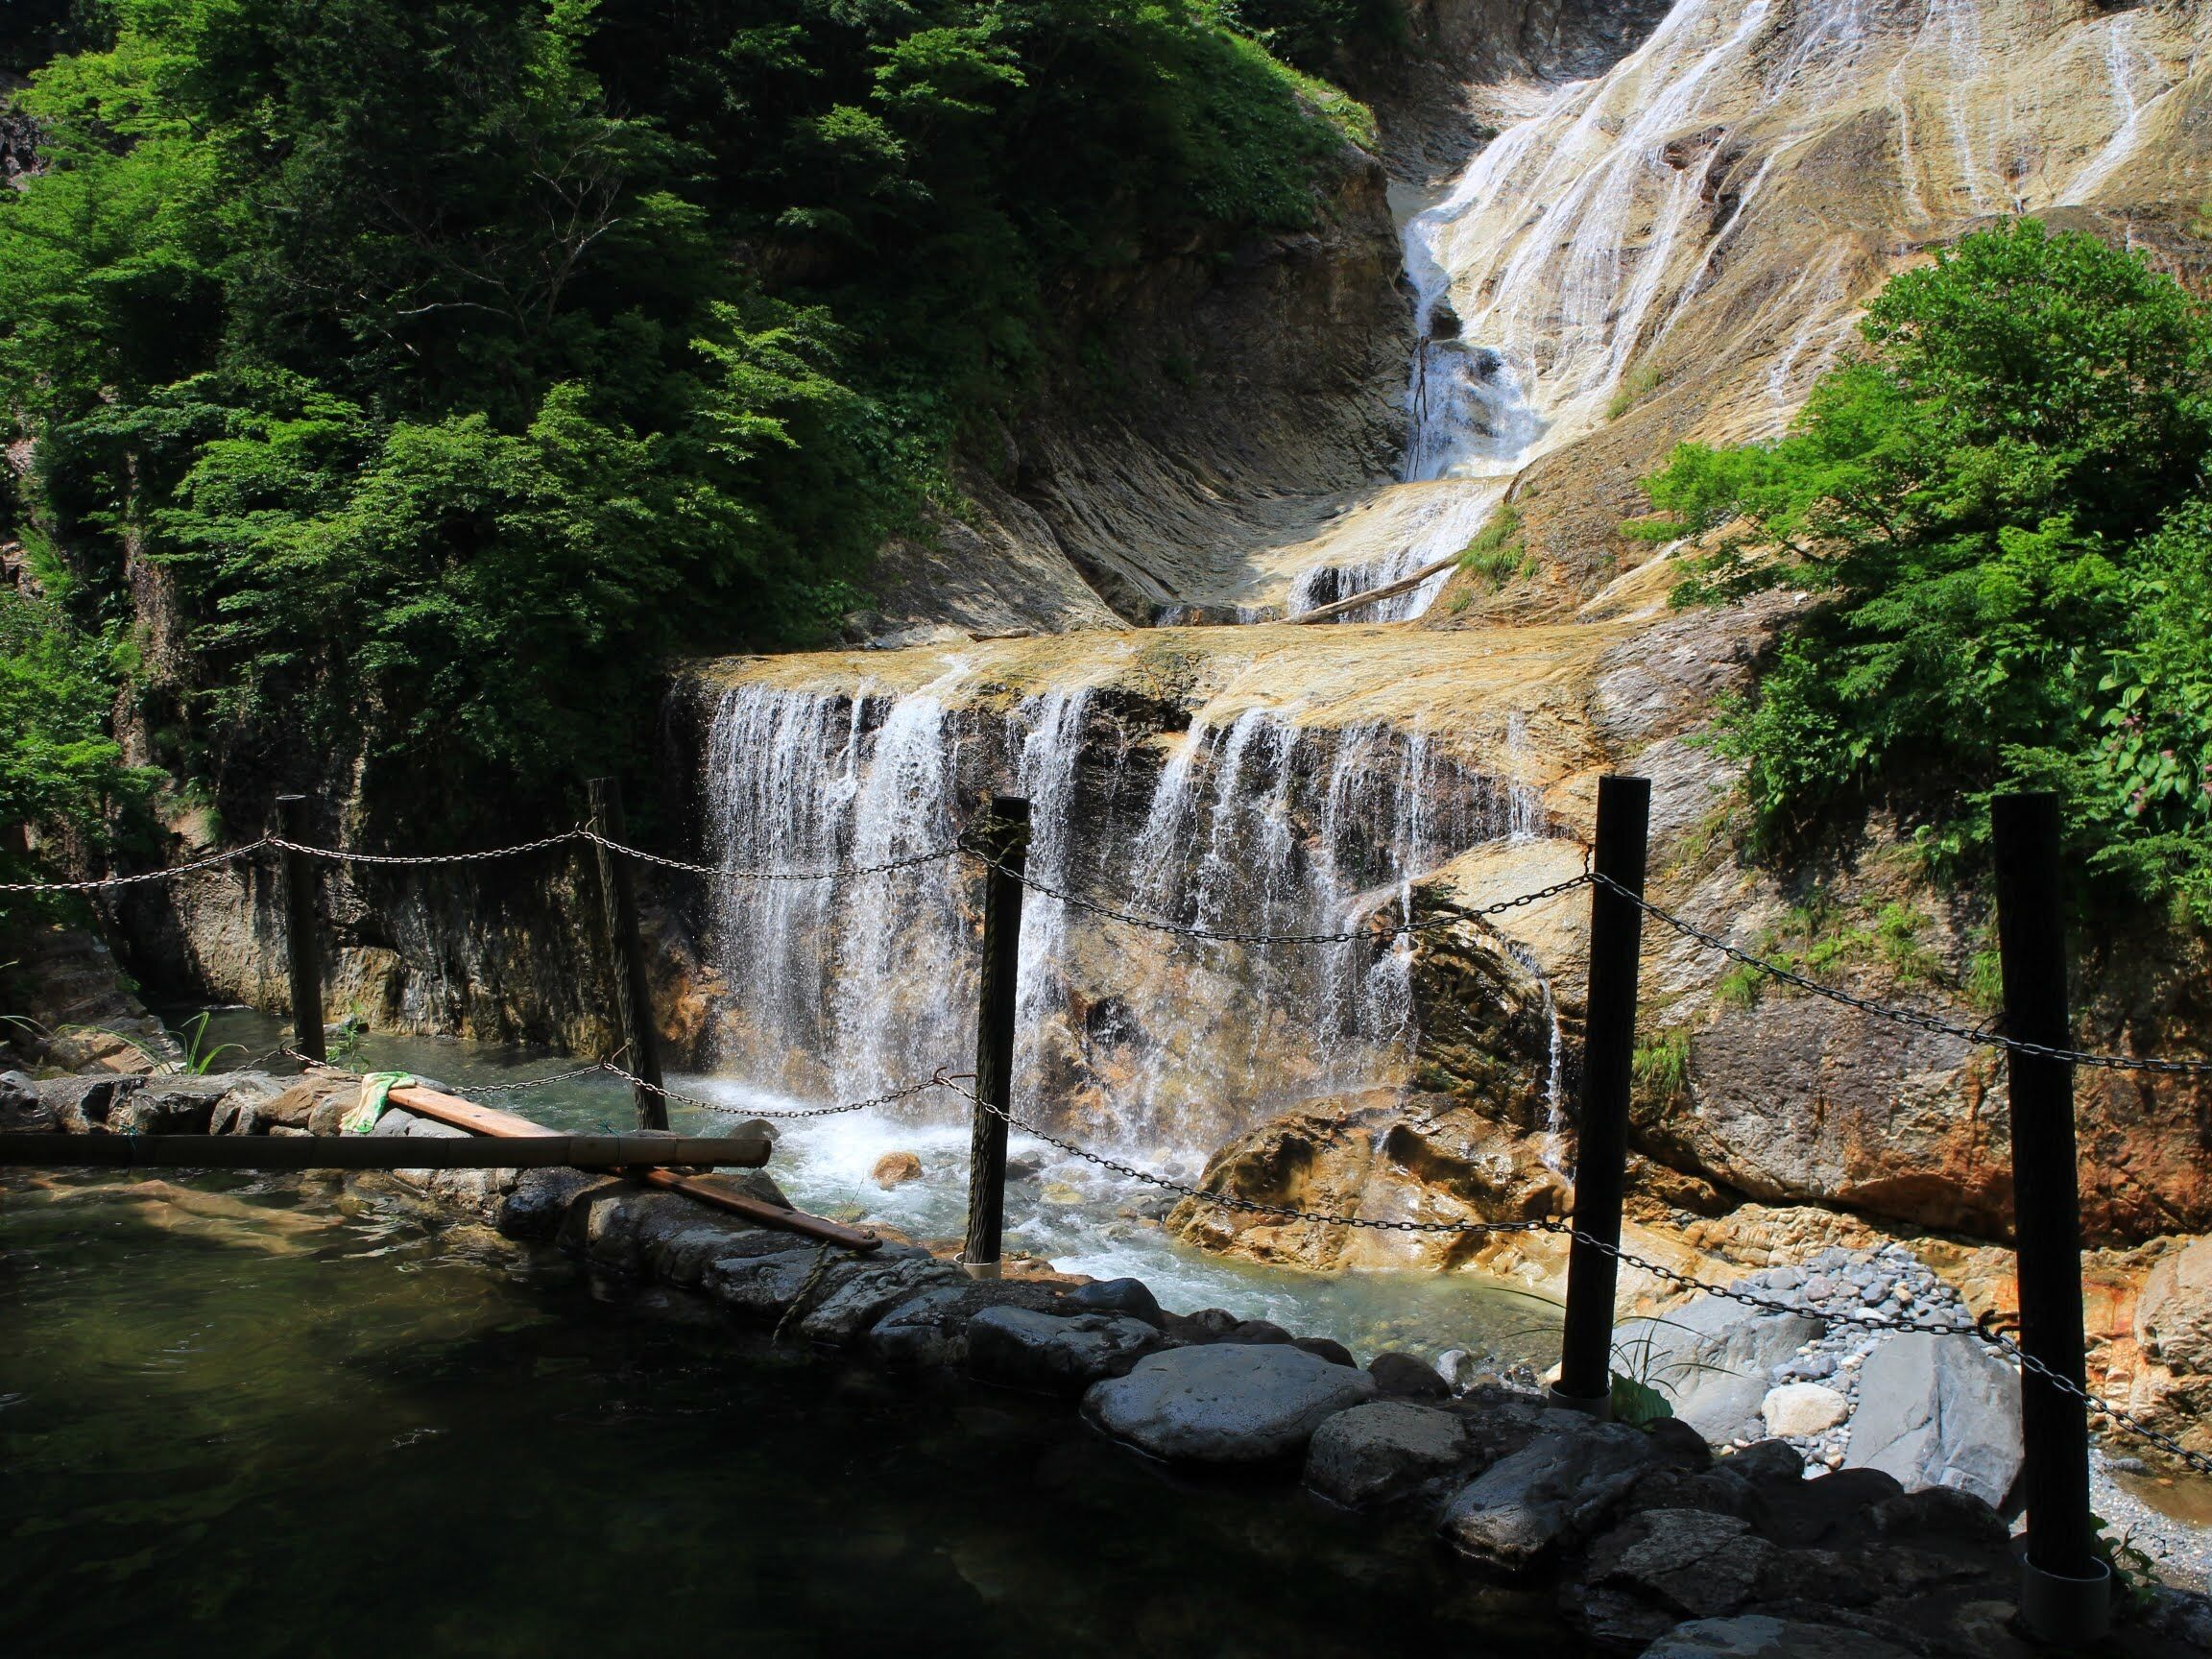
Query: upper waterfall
{"points": [[1713, 209]]}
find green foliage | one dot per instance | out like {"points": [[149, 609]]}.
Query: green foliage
{"points": [[458, 364], [1661, 1064], [2001, 509], [1821, 936], [1637, 384], [200, 1055], [2136, 1574], [1638, 1404], [60, 773], [1496, 553]]}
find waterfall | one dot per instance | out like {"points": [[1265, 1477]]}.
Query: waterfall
{"points": [[1258, 824], [1553, 270]]}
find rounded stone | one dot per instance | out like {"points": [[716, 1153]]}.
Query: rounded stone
{"points": [[895, 1169], [1226, 1402], [1798, 1410]]}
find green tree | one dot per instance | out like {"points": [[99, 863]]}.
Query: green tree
{"points": [[1999, 509]]}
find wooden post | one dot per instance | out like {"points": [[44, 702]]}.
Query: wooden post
{"points": [[301, 944], [1608, 1051], [633, 991], [1006, 837], [2065, 1589]]}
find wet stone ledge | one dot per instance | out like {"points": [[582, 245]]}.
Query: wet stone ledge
{"points": [[1655, 1545]]}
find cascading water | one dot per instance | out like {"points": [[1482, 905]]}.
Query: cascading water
{"points": [[1572, 247], [1260, 824]]}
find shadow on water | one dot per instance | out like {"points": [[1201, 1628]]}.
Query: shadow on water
{"points": [[251, 1417]]}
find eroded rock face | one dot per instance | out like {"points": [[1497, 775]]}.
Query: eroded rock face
{"points": [[1057, 1353], [1559, 1488]]}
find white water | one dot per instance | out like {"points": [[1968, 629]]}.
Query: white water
{"points": [[1551, 273], [1149, 1042]]}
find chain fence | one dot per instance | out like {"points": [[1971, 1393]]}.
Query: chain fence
{"points": [[1979, 1035], [1960, 1324]]}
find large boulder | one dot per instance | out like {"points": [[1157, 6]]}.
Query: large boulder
{"points": [[876, 1284], [1940, 1411], [2174, 1315], [1377, 1453], [1562, 1485], [1053, 1353], [82, 1105], [1712, 1359], [1229, 1402], [1756, 1636]]}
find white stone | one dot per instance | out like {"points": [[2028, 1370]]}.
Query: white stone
{"points": [[1798, 1409]]}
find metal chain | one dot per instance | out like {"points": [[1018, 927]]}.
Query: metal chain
{"points": [[669, 1095], [337, 855], [1158, 925], [229, 855], [1931, 1022], [738, 873]]}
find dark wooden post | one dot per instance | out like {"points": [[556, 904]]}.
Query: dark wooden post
{"points": [[1608, 1051], [302, 946], [633, 991], [2065, 1589], [1006, 838]]}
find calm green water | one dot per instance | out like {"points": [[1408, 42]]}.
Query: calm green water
{"points": [[246, 1417]]}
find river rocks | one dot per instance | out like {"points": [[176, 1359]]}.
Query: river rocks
{"points": [[1756, 1636], [533, 1208], [1021, 1348], [931, 1330], [1407, 1377], [895, 1169], [1226, 1402], [762, 1286], [1940, 1411], [1711, 1357], [1128, 1296], [1377, 1453], [1801, 1410], [1687, 1562], [80, 1105], [1558, 1487], [873, 1288]]}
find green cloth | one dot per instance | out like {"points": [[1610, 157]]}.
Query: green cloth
{"points": [[376, 1095]]}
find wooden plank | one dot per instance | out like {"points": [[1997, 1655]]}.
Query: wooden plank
{"points": [[484, 1120], [708, 1191]]}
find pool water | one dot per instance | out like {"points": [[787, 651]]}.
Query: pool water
{"points": [[247, 1416], [1079, 1217]]}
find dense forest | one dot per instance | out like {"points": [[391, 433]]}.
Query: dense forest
{"points": [[400, 385]]}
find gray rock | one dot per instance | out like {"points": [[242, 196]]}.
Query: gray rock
{"points": [[242, 1100], [1711, 1358], [1687, 1561], [1327, 1348], [1257, 1333], [1561, 1485], [871, 1290], [1376, 1453], [1938, 1410], [1226, 1402], [931, 1330], [534, 1206], [22, 1110], [1408, 1378], [1021, 1348], [1128, 1296], [1756, 1636], [762, 1286]]}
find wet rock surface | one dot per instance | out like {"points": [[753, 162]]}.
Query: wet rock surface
{"points": [[1384, 1451], [1226, 1402], [1060, 1353]]}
